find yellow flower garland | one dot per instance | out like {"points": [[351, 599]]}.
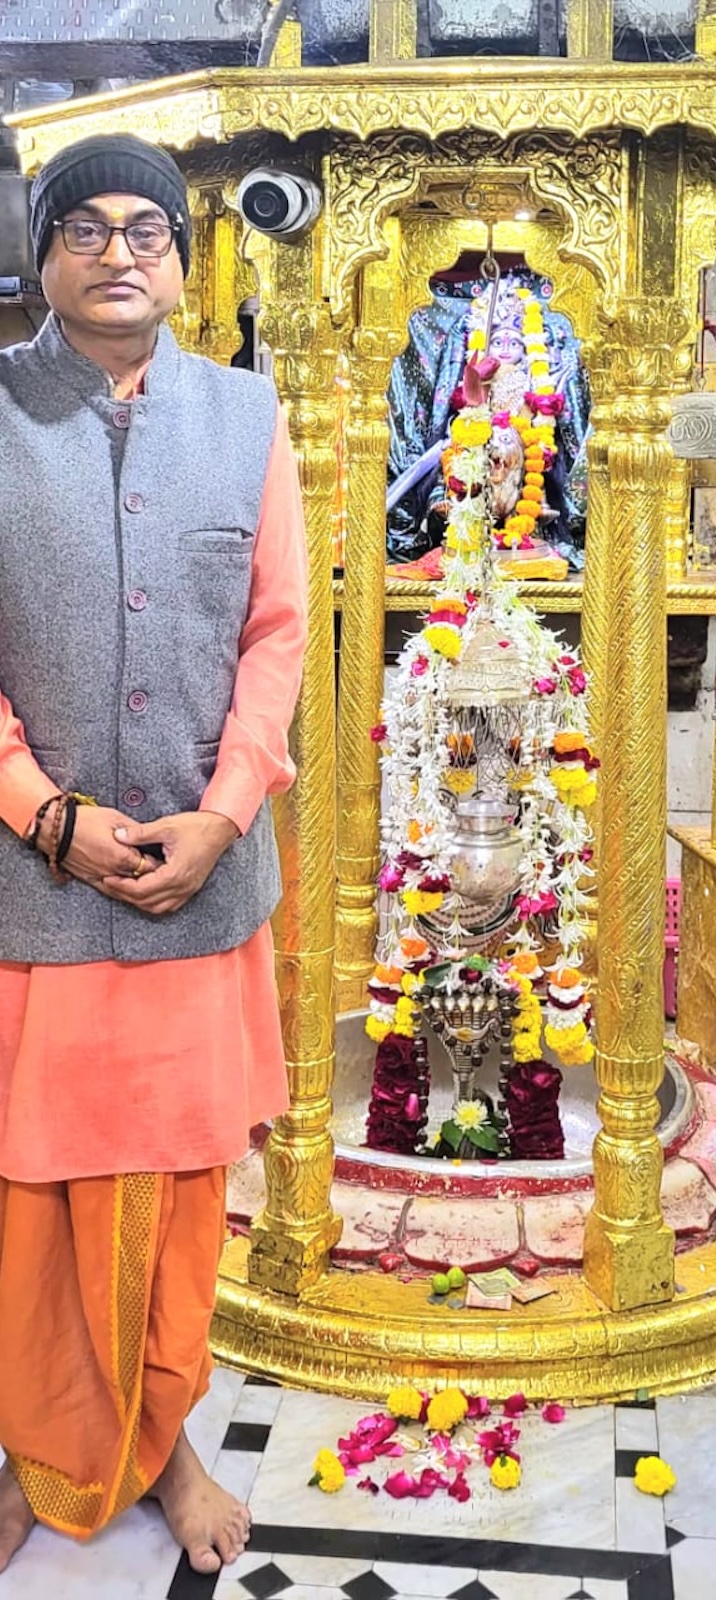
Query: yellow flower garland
{"points": [[443, 638], [527, 1022], [537, 437], [418, 902]]}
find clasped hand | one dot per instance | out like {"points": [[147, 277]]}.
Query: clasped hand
{"points": [[106, 851]]}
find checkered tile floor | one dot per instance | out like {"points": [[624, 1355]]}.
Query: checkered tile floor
{"points": [[576, 1529]]}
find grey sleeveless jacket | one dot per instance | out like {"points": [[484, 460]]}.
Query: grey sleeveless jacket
{"points": [[126, 534]]}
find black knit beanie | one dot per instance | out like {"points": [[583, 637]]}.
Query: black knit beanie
{"points": [[107, 164]]}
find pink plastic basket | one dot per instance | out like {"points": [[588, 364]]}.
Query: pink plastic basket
{"points": [[671, 945]]}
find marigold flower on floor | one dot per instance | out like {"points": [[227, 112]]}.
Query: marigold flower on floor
{"points": [[505, 1472], [654, 1476], [446, 1410], [328, 1474], [405, 1403]]}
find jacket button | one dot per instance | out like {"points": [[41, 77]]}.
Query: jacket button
{"points": [[121, 419], [138, 700], [136, 600], [133, 797], [133, 502]]}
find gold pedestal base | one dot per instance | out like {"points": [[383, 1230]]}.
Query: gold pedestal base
{"points": [[357, 1334]]}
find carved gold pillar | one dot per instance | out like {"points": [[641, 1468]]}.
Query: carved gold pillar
{"points": [[660, 180], [205, 320], [677, 517], [595, 593], [590, 29], [596, 597], [706, 28], [628, 1250], [288, 48], [374, 343], [291, 1239], [713, 794], [393, 30]]}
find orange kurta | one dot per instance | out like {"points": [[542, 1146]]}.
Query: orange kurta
{"points": [[110, 1068]]}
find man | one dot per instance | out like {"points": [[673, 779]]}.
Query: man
{"points": [[152, 626]]}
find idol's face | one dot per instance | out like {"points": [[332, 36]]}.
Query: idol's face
{"points": [[507, 345], [109, 282]]}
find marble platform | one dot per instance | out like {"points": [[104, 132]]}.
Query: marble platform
{"points": [[576, 1529]]}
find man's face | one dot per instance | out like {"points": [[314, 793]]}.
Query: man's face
{"points": [[116, 291]]}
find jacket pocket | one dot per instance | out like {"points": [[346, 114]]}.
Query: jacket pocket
{"points": [[217, 542]]}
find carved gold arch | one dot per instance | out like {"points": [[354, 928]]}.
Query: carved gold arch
{"points": [[430, 242], [482, 177]]}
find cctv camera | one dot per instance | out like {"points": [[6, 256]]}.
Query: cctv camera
{"points": [[281, 204]]}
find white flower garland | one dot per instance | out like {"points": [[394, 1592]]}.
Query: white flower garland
{"points": [[554, 780]]}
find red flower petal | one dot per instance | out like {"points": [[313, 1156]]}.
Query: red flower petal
{"points": [[515, 1406], [478, 1406], [554, 1413]]}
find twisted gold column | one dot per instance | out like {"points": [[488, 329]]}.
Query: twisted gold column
{"points": [[291, 1239], [373, 345], [595, 596], [628, 1250], [595, 593]]}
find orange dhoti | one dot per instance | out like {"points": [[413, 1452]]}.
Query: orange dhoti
{"points": [[106, 1295]]}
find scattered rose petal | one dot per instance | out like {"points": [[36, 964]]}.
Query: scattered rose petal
{"points": [[460, 1488], [553, 1413], [478, 1407], [389, 1260], [515, 1406], [402, 1485], [369, 1485]]}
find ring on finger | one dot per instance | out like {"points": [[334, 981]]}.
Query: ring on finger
{"points": [[142, 866]]}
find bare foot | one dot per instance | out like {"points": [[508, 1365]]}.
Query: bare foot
{"points": [[16, 1518], [205, 1519]]}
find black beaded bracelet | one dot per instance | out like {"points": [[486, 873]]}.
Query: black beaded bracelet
{"points": [[70, 819], [32, 838]]}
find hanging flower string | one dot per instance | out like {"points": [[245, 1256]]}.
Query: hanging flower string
{"points": [[535, 423], [428, 763]]}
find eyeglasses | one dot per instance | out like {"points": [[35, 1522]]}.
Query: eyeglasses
{"points": [[87, 237]]}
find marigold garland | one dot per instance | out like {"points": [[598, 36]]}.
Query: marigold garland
{"points": [[536, 426]]}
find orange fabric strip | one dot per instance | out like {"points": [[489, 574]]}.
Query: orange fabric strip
{"points": [[106, 1297]]}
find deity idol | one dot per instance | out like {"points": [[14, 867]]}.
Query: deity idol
{"points": [[538, 381]]}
